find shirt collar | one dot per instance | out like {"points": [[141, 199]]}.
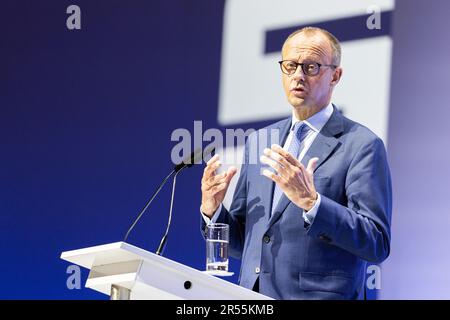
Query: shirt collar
{"points": [[316, 121]]}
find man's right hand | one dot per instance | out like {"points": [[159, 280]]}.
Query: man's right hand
{"points": [[214, 186]]}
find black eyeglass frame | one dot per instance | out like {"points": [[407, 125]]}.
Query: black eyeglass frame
{"points": [[303, 64]]}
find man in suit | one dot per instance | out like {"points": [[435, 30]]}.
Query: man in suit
{"points": [[316, 206]]}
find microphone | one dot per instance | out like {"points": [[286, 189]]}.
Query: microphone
{"points": [[186, 163], [195, 157]]}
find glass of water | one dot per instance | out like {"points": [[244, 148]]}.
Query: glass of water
{"points": [[217, 240]]}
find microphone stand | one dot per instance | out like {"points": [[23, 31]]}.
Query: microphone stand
{"points": [[148, 204], [162, 244], [194, 157]]}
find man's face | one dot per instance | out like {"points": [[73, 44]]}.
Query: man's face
{"points": [[313, 92]]}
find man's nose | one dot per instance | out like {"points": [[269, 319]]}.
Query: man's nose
{"points": [[299, 75]]}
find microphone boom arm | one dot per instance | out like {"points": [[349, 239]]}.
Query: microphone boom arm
{"points": [[147, 205]]}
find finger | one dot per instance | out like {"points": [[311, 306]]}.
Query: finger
{"points": [[224, 177], [211, 168], [214, 180], [218, 178], [289, 157], [213, 165], [218, 188], [275, 178], [230, 173], [312, 163], [221, 178], [273, 164], [213, 159], [277, 157]]}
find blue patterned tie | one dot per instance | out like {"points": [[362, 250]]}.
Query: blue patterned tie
{"points": [[300, 131]]}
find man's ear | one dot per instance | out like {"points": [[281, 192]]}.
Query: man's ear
{"points": [[337, 74]]}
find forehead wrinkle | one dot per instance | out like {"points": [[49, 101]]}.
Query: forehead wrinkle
{"points": [[301, 54], [314, 47]]}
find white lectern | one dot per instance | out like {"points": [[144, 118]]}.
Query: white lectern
{"points": [[124, 271]]}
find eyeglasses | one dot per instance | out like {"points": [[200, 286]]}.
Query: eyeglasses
{"points": [[310, 68]]}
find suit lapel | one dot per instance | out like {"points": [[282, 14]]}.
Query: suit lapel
{"points": [[322, 147], [267, 185]]}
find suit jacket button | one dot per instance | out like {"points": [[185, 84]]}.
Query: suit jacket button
{"points": [[325, 238], [257, 270], [266, 238]]}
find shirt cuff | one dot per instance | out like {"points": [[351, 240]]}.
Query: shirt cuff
{"points": [[309, 216], [214, 217]]}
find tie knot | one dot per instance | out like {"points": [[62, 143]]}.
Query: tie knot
{"points": [[300, 130]]}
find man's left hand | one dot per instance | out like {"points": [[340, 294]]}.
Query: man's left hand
{"points": [[296, 181]]}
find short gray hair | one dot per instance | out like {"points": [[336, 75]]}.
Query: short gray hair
{"points": [[334, 42]]}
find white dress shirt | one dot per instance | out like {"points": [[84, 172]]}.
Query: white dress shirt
{"points": [[315, 124]]}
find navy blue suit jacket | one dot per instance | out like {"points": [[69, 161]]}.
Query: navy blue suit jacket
{"points": [[327, 259]]}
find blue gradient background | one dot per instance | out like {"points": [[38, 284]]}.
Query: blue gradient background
{"points": [[85, 124]]}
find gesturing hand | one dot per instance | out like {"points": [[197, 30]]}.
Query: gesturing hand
{"points": [[214, 186], [296, 181]]}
